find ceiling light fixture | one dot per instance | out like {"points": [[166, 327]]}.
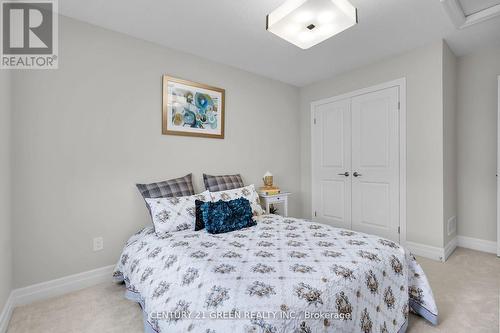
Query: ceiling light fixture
{"points": [[306, 23]]}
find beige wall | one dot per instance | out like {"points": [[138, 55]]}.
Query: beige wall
{"points": [[423, 71], [477, 143], [450, 140], [5, 170], [92, 129]]}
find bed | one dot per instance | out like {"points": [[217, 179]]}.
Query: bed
{"points": [[282, 275]]}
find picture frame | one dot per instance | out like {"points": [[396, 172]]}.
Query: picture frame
{"points": [[192, 109]]}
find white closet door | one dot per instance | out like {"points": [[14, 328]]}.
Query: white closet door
{"points": [[375, 163], [331, 154]]}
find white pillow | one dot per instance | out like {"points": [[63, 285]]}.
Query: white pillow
{"points": [[247, 192], [175, 214]]}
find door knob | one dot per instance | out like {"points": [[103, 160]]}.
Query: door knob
{"points": [[357, 174], [345, 174]]}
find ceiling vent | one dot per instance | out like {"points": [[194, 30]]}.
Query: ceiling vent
{"points": [[464, 13]]}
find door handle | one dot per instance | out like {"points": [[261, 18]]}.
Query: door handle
{"points": [[355, 174], [345, 174]]}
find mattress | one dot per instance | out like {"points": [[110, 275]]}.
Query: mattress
{"points": [[282, 275]]}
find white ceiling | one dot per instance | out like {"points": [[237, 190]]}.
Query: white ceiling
{"points": [[233, 32]]}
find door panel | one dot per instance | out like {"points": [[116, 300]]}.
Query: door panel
{"points": [[375, 203], [332, 130], [331, 155], [333, 203], [374, 131], [375, 157]]}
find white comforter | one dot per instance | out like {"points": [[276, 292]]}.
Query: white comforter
{"points": [[283, 275]]}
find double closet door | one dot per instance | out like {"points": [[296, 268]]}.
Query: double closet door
{"points": [[355, 163]]}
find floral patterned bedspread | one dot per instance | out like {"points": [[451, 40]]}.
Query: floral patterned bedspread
{"points": [[283, 275]]}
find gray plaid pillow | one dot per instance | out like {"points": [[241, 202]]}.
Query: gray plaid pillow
{"points": [[178, 187], [222, 183]]}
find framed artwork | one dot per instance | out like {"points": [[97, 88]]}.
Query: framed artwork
{"points": [[192, 109]]}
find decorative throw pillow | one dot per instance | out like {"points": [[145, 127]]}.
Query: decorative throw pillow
{"points": [[178, 187], [175, 213], [226, 216], [222, 183], [198, 224], [247, 192]]}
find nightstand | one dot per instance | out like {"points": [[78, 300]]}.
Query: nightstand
{"points": [[281, 199]]}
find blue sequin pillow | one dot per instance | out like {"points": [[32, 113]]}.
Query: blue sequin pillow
{"points": [[226, 216]]}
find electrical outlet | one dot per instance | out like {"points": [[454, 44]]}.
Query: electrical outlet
{"points": [[452, 225], [98, 243]]}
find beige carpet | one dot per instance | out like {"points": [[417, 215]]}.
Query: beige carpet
{"points": [[466, 289]]}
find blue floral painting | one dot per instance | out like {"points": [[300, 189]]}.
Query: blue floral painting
{"points": [[192, 109]]}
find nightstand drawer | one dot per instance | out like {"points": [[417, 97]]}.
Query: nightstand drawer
{"points": [[282, 199], [276, 199]]}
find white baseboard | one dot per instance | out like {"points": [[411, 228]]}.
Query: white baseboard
{"points": [[426, 251], [61, 286], [53, 288], [450, 247], [477, 244], [441, 254], [6, 314]]}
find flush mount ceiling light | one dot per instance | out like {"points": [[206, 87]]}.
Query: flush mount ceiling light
{"points": [[306, 23]]}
